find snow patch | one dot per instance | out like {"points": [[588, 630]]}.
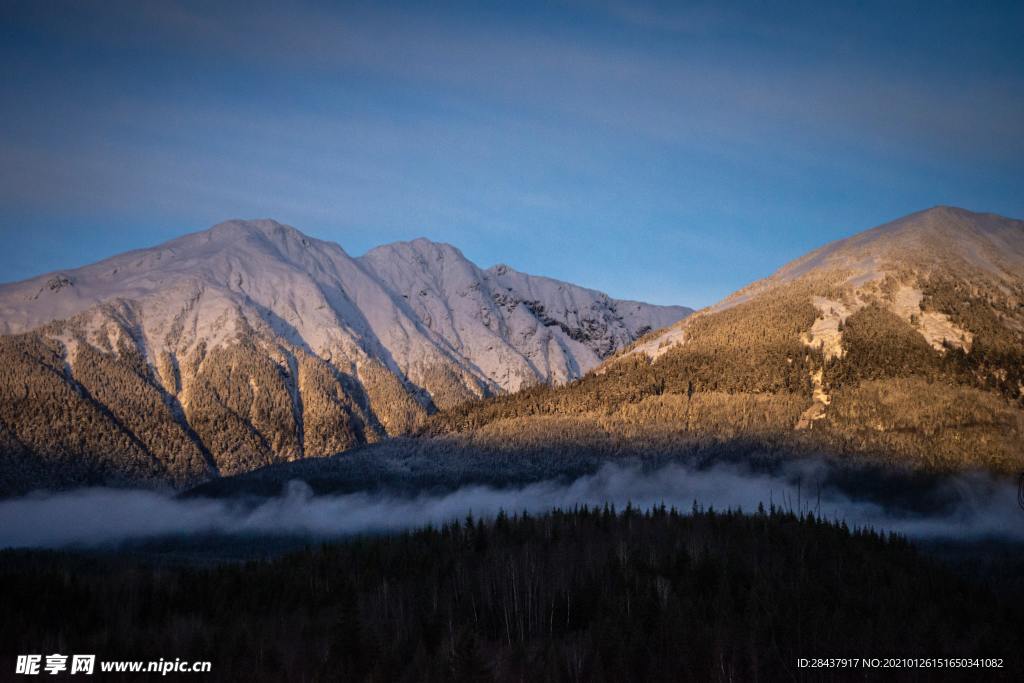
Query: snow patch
{"points": [[660, 344], [825, 333], [937, 328]]}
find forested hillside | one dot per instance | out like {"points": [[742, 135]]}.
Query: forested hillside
{"points": [[584, 595], [905, 343]]}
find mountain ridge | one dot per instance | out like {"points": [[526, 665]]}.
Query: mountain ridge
{"points": [[250, 343]]}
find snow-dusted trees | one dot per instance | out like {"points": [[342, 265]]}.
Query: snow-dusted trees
{"points": [[57, 433], [746, 375]]}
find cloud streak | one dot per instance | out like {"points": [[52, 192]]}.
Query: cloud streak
{"points": [[777, 128]]}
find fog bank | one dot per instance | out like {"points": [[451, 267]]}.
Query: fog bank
{"points": [[979, 506]]}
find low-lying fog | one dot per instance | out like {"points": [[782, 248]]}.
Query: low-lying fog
{"points": [[972, 507]]}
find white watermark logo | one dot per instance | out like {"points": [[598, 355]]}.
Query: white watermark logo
{"points": [[56, 663]]}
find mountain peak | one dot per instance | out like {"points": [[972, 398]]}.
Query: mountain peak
{"points": [[420, 246], [948, 209], [941, 237], [259, 228], [264, 225], [948, 222]]}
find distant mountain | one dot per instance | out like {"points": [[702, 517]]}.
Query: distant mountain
{"points": [[904, 342], [252, 343]]}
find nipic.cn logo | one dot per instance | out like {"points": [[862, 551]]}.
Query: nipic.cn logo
{"points": [[55, 664]]}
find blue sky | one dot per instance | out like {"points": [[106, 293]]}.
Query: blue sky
{"points": [[667, 152]]}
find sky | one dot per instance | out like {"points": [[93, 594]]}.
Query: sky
{"points": [[667, 152]]}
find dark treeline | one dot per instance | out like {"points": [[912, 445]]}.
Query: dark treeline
{"points": [[585, 595]]}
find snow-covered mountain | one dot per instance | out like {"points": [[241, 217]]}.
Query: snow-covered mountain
{"points": [[512, 328], [251, 342]]}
